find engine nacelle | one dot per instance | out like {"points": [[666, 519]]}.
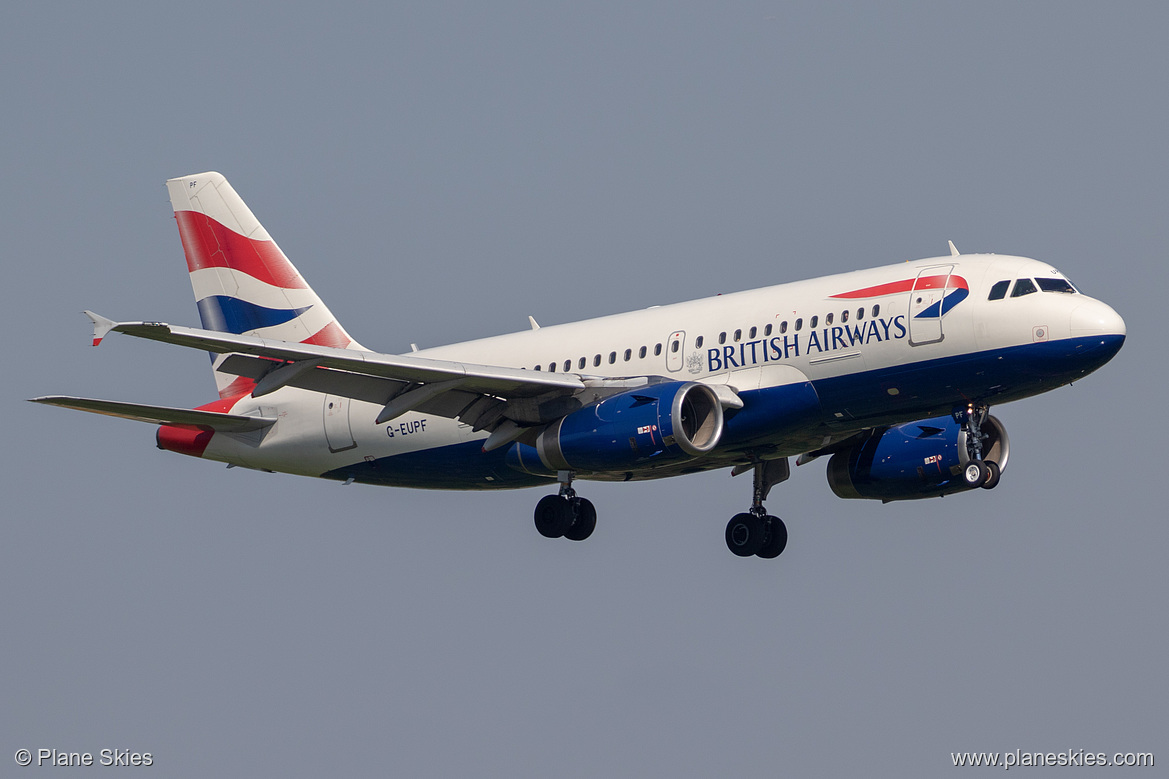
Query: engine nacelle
{"points": [[659, 423], [916, 460]]}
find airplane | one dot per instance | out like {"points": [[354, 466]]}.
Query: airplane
{"points": [[890, 372]]}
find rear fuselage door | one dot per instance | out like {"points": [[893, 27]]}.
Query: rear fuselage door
{"points": [[925, 305], [338, 434], [675, 348]]}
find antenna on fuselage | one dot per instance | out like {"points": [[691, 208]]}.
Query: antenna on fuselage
{"points": [[953, 249], [535, 324]]}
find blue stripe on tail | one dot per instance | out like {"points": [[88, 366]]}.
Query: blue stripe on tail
{"points": [[226, 314]]}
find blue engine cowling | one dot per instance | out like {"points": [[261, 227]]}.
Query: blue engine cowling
{"points": [[658, 423], [916, 460]]}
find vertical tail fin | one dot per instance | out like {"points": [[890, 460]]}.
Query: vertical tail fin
{"points": [[243, 283]]}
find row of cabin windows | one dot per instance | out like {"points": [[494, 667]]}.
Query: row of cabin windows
{"points": [[798, 325], [1027, 286], [583, 361], [722, 339]]}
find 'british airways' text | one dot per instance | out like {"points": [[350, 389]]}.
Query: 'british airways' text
{"points": [[785, 347]]}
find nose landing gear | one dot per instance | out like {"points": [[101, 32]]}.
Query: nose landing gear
{"points": [[977, 472]]}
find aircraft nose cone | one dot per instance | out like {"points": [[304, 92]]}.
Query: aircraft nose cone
{"points": [[1091, 317]]}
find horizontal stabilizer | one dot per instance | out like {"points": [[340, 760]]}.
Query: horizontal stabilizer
{"points": [[161, 415]]}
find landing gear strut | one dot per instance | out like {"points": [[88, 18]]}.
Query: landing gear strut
{"points": [[565, 515], [755, 532], [977, 471]]}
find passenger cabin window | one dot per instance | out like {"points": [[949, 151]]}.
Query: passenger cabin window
{"points": [[1023, 287], [752, 332], [799, 324], [596, 360], [877, 311], [612, 357], [767, 330], [860, 313], [657, 350], [815, 319], [552, 367], [1056, 285], [738, 335], [722, 338], [843, 317], [582, 362], [537, 367], [999, 290], [674, 346], [641, 351], [628, 354], [697, 345], [567, 365], [828, 319]]}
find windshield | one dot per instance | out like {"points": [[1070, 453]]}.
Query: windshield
{"points": [[1056, 285]]}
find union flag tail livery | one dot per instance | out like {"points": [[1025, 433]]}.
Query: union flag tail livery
{"points": [[243, 282], [889, 372]]}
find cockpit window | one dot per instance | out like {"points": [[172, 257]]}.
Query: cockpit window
{"points": [[1023, 287], [999, 290], [1056, 285]]}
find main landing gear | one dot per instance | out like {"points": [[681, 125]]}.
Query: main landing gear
{"points": [[752, 533], [565, 515], [977, 471], [755, 532]]}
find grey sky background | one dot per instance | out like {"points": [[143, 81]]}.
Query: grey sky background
{"points": [[441, 171]]}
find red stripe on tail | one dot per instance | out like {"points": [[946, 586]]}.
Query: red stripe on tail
{"points": [[208, 244], [329, 335]]}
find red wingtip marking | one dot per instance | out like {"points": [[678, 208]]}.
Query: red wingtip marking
{"points": [[96, 341]]}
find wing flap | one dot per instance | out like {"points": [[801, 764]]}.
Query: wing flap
{"points": [[161, 415], [371, 389]]}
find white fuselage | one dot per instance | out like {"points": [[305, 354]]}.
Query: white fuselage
{"points": [[826, 331]]}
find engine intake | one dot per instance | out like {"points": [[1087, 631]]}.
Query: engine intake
{"points": [[662, 422], [916, 460]]}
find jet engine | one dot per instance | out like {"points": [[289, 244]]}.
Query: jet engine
{"points": [[658, 423], [924, 459]]}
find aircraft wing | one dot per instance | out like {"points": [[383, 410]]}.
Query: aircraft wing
{"points": [[481, 378], [161, 415], [485, 397]]}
